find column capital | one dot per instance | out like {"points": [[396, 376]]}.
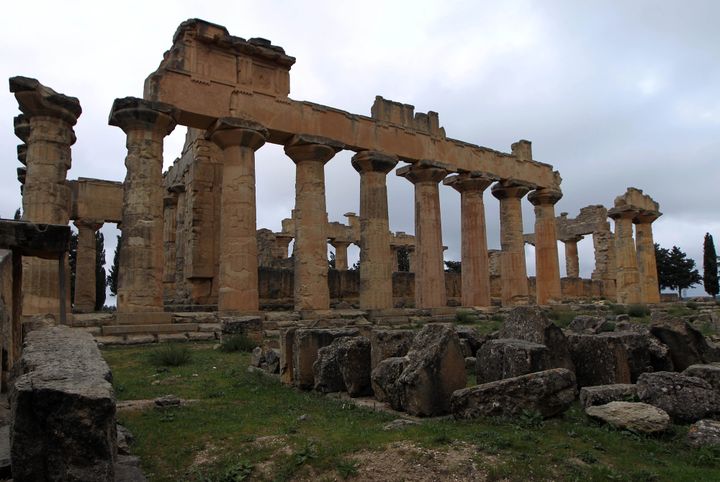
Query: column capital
{"points": [[21, 125], [35, 99], [572, 239], [88, 223], [22, 153], [509, 189], [131, 113], [423, 172], [646, 217], [303, 147], [622, 213], [373, 161], [544, 196], [469, 182], [233, 131]]}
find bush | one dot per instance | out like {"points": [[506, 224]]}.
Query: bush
{"points": [[238, 342], [170, 355], [692, 305], [638, 311], [617, 309], [466, 317]]}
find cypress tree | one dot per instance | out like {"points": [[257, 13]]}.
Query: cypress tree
{"points": [[710, 266], [112, 279], [100, 281]]}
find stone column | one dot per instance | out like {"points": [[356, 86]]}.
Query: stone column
{"points": [[547, 266], [46, 126], [428, 259], [513, 271], [376, 266], [647, 265], [605, 266], [475, 274], [341, 259], [170, 203], [411, 259], [84, 301], [282, 242], [627, 285], [572, 261], [310, 249], [395, 262], [146, 123], [238, 274]]}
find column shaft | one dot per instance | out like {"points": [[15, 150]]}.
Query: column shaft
{"points": [[547, 266], [427, 261], [513, 271], [140, 286], [628, 277], [572, 260], [341, 259], [376, 265], [85, 274], [647, 265]]}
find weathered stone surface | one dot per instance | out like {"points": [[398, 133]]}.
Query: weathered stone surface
{"points": [[709, 373], [508, 358], [687, 345], [326, 370], [265, 358], [634, 416], [353, 356], [434, 370], [549, 392], [250, 326], [306, 343], [384, 380], [684, 398], [389, 343], [588, 324], [530, 323], [471, 338], [63, 409], [124, 440], [659, 353], [704, 433], [603, 394]]}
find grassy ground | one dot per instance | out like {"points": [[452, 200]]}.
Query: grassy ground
{"points": [[247, 426]]}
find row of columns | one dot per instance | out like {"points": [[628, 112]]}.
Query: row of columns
{"points": [[140, 284]]}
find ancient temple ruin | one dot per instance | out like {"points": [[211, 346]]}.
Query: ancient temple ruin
{"points": [[190, 234]]}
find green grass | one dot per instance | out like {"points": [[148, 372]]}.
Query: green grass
{"points": [[562, 316], [238, 342], [170, 355], [245, 424]]}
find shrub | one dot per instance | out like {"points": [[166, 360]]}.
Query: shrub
{"points": [[170, 355], [238, 342], [692, 305], [617, 309], [638, 311], [466, 317]]}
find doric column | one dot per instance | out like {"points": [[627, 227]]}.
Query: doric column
{"points": [[547, 266], [411, 259], [428, 259], [394, 254], [513, 271], [627, 285], [376, 265], [475, 273], [146, 123], [46, 127], [310, 249], [341, 259], [85, 283], [647, 265], [282, 241], [170, 204], [572, 261], [238, 274]]}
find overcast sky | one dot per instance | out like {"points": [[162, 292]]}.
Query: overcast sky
{"points": [[611, 93]]}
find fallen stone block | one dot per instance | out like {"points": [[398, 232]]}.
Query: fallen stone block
{"points": [[63, 409], [530, 323], [384, 380], [549, 393], [686, 344], [589, 324], [604, 394], [326, 370], [435, 368], [508, 358], [686, 399], [389, 343], [709, 373], [471, 339], [634, 416], [249, 326], [704, 433], [306, 343], [353, 356]]}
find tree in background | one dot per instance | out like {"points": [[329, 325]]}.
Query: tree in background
{"points": [[453, 266], [112, 279], [710, 267], [18, 215], [675, 270], [100, 281], [331, 261], [403, 255]]}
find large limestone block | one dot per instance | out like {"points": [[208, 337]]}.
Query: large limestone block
{"points": [[306, 343], [549, 393], [389, 343], [604, 394], [709, 373], [634, 416], [704, 433], [326, 370], [471, 339], [687, 345], [507, 358], [588, 324], [434, 370], [384, 379], [250, 326], [353, 355], [686, 399], [63, 409], [530, 323]]}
